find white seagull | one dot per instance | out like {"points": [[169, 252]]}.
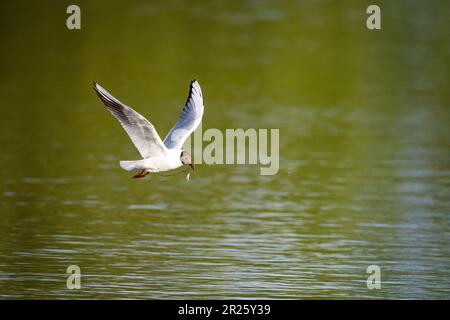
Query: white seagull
{"points": [[157, 155]]}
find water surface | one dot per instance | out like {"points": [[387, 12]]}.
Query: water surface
{"points": [[364, 150]]}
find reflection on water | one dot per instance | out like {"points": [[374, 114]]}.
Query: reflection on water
{"points": [[364, 151]]}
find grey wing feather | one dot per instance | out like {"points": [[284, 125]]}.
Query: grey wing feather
{"points": [[141, 132], [189, 120]]}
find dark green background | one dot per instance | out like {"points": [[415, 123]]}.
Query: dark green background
{"points": [[364, 150]]}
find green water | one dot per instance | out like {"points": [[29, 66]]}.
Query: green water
{"points": [[364, 150]]}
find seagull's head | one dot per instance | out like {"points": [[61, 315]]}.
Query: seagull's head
{"points": [[186, 158]]}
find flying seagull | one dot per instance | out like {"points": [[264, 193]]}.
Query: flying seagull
{"points": [[157, 155]]}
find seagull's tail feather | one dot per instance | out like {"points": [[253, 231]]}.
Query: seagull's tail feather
{"points": [[134, 165]]}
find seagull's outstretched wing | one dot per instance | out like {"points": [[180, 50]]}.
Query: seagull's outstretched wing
{"points": [[141, 131], [190, 118]]}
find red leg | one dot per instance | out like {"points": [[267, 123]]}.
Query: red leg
{"points": [[141, 174]]}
